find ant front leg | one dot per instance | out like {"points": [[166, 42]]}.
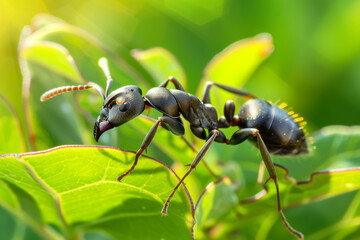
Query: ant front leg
{"points": [[193, 165], [243, 134], [174, 125]]}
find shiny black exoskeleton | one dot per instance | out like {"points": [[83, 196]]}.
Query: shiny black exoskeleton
{"points": [[268, 126], [279, 131]]}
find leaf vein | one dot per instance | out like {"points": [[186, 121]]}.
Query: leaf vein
{"points": [[54, 195], [113, 182]]}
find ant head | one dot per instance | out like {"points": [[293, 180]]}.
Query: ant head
{"points": [[119, 107]]}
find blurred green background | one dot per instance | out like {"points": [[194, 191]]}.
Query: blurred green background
{"points": [[315, 67]]}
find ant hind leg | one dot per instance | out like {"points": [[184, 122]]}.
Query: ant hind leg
{"points": [[240, 136], [206, 95]]}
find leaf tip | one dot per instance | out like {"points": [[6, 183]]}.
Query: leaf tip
{"points": [[267, 40]]}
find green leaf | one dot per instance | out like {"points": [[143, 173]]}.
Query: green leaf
{"points": [[12, 132], [74, 188], [336, 144], [161, 64], [50, 56], [324, 185], [234, 65], [217, 199], [300, 186], [54, 57], [333, 147], [11, 227], [71, 39], [307, 179], [43, 19]]}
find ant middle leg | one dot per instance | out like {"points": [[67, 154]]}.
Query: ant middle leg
{"points": [[229, 119], [193, 165]]}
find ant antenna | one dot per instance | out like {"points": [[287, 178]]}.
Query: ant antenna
{"points": [[56, 91], [103, 63], [97, 88]]}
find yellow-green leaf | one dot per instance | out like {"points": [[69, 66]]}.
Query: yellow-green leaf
{"points": [[234, 65], [161, 64], [12, 136]]}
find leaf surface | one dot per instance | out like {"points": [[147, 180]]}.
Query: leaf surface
{"points": [[300, 186], [12, 132], [234, 65], [161, 64], [74, 188]]}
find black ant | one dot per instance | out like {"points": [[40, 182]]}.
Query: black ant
{"points": [[266, 125]]}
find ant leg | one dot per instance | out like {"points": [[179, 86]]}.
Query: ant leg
{"points": [[169, 123], [203, 161], [260, 179], [271, 169], [193, 165], [229, 119], [206, 95], [176, 83], [240, 136], [198, 132]]}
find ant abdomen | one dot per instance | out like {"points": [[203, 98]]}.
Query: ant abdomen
{"points": [[280, 131]]}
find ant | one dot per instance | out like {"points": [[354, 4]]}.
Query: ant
{"points": [[268, 126]]}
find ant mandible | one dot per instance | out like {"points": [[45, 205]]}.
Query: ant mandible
{"points": [[266, 125]]}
